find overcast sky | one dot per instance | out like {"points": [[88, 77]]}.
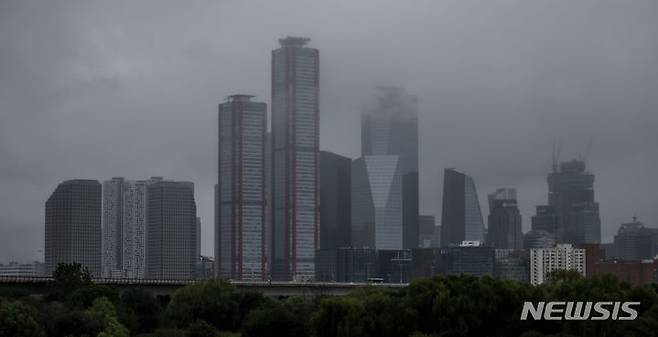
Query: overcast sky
{"points": [[97, 89]]}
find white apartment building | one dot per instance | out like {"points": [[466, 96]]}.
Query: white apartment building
{"points": [[543, 261]]}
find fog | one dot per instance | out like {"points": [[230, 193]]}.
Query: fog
{"points": [[98, 89]]}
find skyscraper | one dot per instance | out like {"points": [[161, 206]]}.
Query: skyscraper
{"points": [[124, 227], [635, 242], [390, 127], [335, 201], [240, 231], [571, 198], [426, 231], [377, 202], [504, 221], [73, 225], [171, 230], [461, 217], [295, 152]]}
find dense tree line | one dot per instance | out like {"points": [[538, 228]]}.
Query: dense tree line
{"points": [[441, 306]]}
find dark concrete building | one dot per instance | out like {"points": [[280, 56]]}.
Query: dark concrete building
{"points": [[73, 225], [410, 221], [461, 217], [538, 238], [335, 201], [635, 242], [571, 196], [395, 266], [477, 261], [171, 231], [504, 221], [512, 264], [346, 265], [427, 231]]}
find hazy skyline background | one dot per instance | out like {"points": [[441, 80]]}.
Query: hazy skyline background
{"points": [[99, 89]]}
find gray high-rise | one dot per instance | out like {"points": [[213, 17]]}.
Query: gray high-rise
{"points": [[73, 225], [390, 127], [124, 228], [461, 217], [171, 230], [295, 159], [241, 205], [504, 221], [571, 200], [335, 201]]}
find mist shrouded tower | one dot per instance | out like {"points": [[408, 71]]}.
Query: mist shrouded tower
{"points": [[295, 159], [390, 127], [571, 197]]}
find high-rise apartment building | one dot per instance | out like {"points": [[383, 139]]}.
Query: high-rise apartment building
{"points": [[390, 127], [377, 203], [295, 159], [124, 227], [73, 225], [171, 230], [544, 261], [504, 221], [461, 217], [240, 231], [335, 201]]}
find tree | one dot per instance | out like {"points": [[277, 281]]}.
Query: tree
{"points": [[70, 276], [139, 311], [212, 301], [18, 319], [273, 320], [103, 311], [201, 329]]}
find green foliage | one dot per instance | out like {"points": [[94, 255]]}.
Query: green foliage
{"points": [[212, 301], [85, 296], [60, 321], [201, 329], [18, 319], [139, 311], [70, 276], [104, 312], [274, 319]]}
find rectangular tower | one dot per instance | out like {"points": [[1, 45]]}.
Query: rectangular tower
{"points": [[335, 201], [295, 151], [240, 230], [73, 226], [171, 230]]}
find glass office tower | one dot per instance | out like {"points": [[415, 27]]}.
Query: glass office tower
{"points": [[377, 202], [240, 230], [295, 157], [461, 217]]}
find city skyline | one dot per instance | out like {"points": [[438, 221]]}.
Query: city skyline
{"points": [[619, 151]]}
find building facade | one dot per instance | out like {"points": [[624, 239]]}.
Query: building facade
{"points": [[124, 228], [240, 232], [544, 261], [504, 221], [426, 231], [295, 159], [73, 225], [171, 231], [635, 242], [35, 269], [461, 217], [389, 126], [377, 203], [335, 201], [571, 198]]}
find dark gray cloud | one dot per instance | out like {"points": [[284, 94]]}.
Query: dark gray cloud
{"points": [[95, 89]]}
